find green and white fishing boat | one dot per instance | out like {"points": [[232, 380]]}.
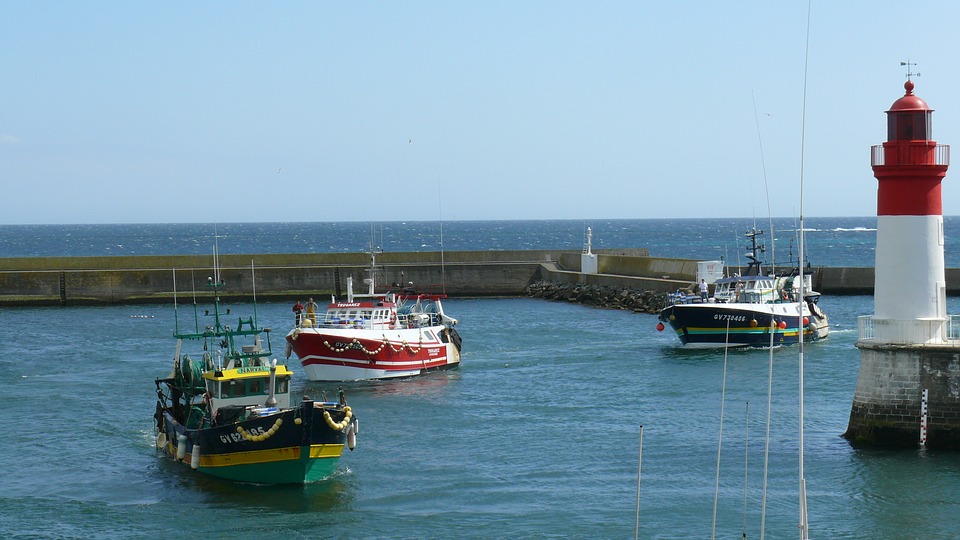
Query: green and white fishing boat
{"points": [[227, 410]]}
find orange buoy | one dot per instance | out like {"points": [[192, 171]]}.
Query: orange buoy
{"points": [[660, 327], [782, 325], [806, 321]]}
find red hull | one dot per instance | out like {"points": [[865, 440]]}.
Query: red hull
{"points": [[339, 356]]}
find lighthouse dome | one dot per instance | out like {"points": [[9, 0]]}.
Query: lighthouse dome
{"points": [[909, 102]]}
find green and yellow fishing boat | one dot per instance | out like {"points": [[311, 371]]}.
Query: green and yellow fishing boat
{"points": [[227, 411]]}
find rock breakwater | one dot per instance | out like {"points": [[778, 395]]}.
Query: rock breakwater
{"points": [[638, 301]]}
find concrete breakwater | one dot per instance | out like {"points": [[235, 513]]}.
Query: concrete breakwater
{"points": [[154, 279]]}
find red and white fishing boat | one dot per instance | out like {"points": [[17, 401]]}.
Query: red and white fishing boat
{"points": [[376, 336]]}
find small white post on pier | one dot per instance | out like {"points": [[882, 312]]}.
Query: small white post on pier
{"points": [[588, 261]]}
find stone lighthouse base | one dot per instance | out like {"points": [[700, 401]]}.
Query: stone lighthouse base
{"points": [[886, 407]]}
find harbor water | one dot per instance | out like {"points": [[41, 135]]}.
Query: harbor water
{"points": [[536, 435]]}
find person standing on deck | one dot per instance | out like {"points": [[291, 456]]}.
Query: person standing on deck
{"points": [[297, 313], [312, 310], [704, 290]]}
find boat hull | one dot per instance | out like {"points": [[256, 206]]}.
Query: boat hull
{"points": [[750, 325], [292, 446], [336, 355]]}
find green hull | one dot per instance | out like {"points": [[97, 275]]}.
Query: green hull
{"points": [[301, 471]]}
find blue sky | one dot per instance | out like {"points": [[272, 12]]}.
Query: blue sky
{"points": [[148, 112]]}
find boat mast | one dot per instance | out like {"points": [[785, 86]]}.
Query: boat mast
{"points": [[723, 400], [176, 315], [216, 281], [253, 278], [443, 275], [372, 280], [755, 266], [636, 527], [803, 524]]}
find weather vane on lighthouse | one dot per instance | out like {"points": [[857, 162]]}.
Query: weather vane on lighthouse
{"points": [[910, 65]]}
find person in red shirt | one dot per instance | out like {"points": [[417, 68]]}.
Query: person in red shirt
{"points": [[297, 313]]}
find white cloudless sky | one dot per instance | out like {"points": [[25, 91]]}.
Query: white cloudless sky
{"points": [[156, 112]]}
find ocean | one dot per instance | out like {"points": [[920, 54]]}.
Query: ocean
{"points": [[828, 241], [536, 435]]}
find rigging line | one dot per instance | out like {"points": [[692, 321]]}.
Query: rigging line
{"points": [[804, 525], [766, 449], [766, 189], [723, 397]]}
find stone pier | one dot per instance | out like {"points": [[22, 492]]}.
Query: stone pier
{"points": [[886, 407]]}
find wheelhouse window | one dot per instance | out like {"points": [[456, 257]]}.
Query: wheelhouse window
{"points": [[250, 387], [256, 386]]}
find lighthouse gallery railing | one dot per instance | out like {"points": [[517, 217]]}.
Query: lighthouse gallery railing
{"points": [[908, 332], [912, 154]]}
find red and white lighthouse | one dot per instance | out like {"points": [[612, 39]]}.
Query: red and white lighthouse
{"points": [[910, 288], [906, 389]]}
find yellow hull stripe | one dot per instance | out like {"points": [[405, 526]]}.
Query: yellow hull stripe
{"points": [[293, 453], [757, 330]]}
